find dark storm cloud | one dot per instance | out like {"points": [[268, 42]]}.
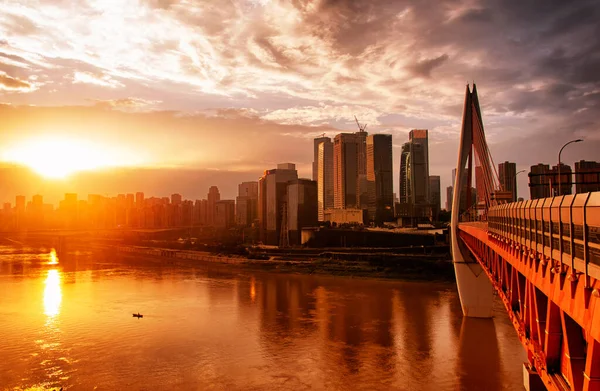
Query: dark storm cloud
{"points": [[477, 15], [424, 68]]}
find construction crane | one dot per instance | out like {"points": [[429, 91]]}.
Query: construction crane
{"points": [[361, 128], [284, 233]]}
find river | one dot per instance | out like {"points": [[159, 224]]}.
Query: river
{"points": [[69, 324]]}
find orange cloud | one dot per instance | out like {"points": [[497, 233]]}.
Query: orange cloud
{"points": [[9, 83]]}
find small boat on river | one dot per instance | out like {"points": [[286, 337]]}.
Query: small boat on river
{"points": [[138, 315]]}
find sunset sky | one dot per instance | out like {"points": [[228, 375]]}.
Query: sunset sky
{"points": [[175, 96]]}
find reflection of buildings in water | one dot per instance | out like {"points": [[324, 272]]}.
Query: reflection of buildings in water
{"points": [[415, 301], [221, 288], [359, 329], [52, 293], [287, 309], [413, 320], [288, 303], [479, 366]]}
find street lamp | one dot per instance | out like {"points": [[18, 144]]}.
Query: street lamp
{"points": [[515, 185], [559, 152]]}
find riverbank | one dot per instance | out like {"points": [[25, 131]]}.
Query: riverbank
{"points": [[390, 266]]}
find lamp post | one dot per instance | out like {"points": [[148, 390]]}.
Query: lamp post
{"points": [[515, 185], [559, 152]]}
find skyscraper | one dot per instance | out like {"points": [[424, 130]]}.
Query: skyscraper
{"points": [[566, 180], [272, 195], [379, 178], [435, 194], [224, 214], [176, 199], [325, 176], [213, 196], [587, 176], [463, 192], [507, 172], [315, 165], [404, 180], [246, 210], [419, 140], [449, 195], [539, 181], [349, 170], [139, 199], [302, 207], [414, 168]]}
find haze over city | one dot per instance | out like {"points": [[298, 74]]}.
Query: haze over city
{"points": [[168, 96]]}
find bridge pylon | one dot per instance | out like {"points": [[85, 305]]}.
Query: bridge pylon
{"points": [[474, 288]]}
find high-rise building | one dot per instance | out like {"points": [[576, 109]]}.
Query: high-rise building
{"points": [[224, 214], [435, 195], [463, 192], [325, 176], [37, 200], [203, 212], [302, 208], [129, 201], [37, 211], [404, 181], [480, 190], [176, 199], [507, 172], [566, 180], [20, 203], [414, 168], [419, 140], [539, 181], [69, 210], [272, 195], [543, 181], [213, 196], [186, 211], [349, 170], [380, 184], [587, 176], [315, 165], [246, 210], [139, 200], [449, 195]]}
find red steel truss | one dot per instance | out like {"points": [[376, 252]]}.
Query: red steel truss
{"points": [[555, 310]]}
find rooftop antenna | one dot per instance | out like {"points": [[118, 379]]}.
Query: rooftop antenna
{"points": [[361, 128]]}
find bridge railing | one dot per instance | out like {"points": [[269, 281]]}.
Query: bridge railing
{"points": [[564, 228]]}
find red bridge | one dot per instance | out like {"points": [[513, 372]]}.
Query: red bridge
{"points": [[541, 257]]}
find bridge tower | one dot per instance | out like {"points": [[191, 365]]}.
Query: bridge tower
{"points": [[474, 287]]}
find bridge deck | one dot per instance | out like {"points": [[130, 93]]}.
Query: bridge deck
{"points": [[552, 297]]}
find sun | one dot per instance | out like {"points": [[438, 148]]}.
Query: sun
{"points": [[59, 157]]}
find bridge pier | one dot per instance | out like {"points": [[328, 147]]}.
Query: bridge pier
{"points": [[474, 289]]}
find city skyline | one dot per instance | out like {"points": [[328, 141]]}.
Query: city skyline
{"points": [[196, 106]]}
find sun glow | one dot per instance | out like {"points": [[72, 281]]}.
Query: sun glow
{"points": [[60, 157], [52, 258]]}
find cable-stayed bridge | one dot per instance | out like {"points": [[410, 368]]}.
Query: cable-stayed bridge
{"points": [[541, 257]]}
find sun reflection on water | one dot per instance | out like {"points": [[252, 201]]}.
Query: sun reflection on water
{"points": [[52, 258], [52, 293]]}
